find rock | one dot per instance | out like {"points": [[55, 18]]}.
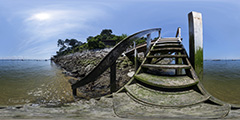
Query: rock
{"points": [[130, 74], [79, 65], [88, 68]]}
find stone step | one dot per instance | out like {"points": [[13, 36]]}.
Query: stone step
{"points": [[167, 56], [165, 99], [168, 66], [128, 107], [166, 81]]}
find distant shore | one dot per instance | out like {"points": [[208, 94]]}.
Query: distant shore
{"points": [[24, 59]]}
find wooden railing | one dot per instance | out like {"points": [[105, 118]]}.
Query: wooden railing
{"points": [[110, 60]]}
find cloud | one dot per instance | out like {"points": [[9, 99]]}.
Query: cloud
{"points": [[43, 26]]}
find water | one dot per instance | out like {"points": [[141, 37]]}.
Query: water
{"points": [[42, 82], [24, 82], [222, 80]]}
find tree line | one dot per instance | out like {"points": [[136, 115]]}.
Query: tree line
{"points": [[69, 46]]}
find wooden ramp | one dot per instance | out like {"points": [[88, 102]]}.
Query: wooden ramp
{"points": [[160, 90]]}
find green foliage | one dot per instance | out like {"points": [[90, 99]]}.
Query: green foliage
{"points": [[69, 46]]}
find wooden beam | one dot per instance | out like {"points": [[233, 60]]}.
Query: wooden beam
{"points": [[113, 77], [196, 42]]}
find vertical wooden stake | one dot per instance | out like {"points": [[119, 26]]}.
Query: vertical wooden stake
{"points": [[148, 43], [113, 77], [159, 34], [196, 42], [74, 91], [135, 56]]}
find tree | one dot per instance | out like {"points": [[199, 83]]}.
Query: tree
{"points": [[106, 32]]}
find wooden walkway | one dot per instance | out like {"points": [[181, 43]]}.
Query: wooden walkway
{"points": [[166, 90], [158, 90]]}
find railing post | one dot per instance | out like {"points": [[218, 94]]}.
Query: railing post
{"points": [[74, 91], [196, 42], [159, 34], [113, 77], [179, 32], [135, 56], [148, 43]]}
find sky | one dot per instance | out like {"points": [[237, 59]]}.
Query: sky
{"points": [[29, 29]]}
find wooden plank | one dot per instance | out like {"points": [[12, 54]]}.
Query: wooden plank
{"points": [[113, 77], [196, 42], [166, 81], [165, 99], [166, 56], [169, 45], [166, 49], [169, 66]]}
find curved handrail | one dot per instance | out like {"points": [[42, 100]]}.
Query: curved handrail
{"points": [[111, 57]]}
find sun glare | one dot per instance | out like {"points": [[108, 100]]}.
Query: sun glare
{"points": [[42, 16]]}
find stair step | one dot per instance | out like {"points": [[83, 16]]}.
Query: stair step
{"points": [[166, 81], [169, 66], [168, 45], [167, 56], [165, 99], [169, 39], [166, 49], [168, 42], [128, 107]]}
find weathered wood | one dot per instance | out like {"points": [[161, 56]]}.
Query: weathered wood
{"points": [[168, 45], [169, 39], [166, 81], [178, 34], [163, 98], [166, 49], [166, 56], [135, 57], [111, 57], [127, 107], [113, 78], [169, 66], [196, 42], [148, 43], [74, 92], [178, 61]]}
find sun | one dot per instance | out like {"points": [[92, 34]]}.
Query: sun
{"points": [[42, 16]]}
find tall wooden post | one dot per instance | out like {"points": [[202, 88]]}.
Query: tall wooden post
{"points": [[196, 42], [135, 56], [148, 43], [113, 77]]}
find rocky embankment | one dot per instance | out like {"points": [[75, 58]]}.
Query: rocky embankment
{"points": [[79, 65]]}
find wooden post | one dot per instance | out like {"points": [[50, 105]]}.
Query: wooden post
{"points": [[159, 34], [113, 77], [148, 43], [196, 42], [135, 56], [74, 92]]}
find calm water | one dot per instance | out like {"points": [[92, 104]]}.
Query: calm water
{"points": [[32, 82], [222, 80], [42, 82]]}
